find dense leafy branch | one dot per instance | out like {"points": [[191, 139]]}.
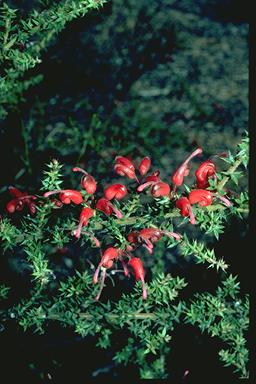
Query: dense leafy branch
{"points": [[71, 301], [23, 40]]}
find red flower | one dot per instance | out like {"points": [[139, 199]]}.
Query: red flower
{"points": [[148, 236], [139, 273], [120, 160], [67, 196], [87, 181], [185, 209], [149, 181], [158, 187], [144, 165], [105, 263], [204, 171], [19, 201], [200, 196], [117, 191], [124, 167], [85, 215], [183, 170], [105, 206]]}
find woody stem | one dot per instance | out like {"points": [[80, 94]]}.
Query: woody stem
{"points": [[109, 316], [229, 172]]}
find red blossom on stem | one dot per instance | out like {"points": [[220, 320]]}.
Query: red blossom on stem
{"points": [[121, 160], [109, 256], [87, 181], [158, 187], [20, 200], [149, 181], [67, 196], [85, 215], [205, 170], [124, 167], [183, 170], [185, 209], [118, 191], [139, 273], [201, 197], [144, 166], [147, 237], [108, 208]]}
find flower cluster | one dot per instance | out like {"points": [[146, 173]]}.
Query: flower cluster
{"points": [[19, 200], [107, 203]]}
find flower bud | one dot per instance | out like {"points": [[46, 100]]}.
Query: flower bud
{"points": [[144, 165]]}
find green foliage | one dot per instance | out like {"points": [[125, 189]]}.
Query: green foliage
{"points": [[23, 40], [52, 179], [224, 315], [9, 234], [69, 296], [4, 290]]}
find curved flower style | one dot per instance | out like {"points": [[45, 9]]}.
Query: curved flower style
{"points": [[67, 196], [183, 170], [87, 181]]}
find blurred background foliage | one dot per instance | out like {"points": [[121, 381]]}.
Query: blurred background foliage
{"points": [[132, 78]]}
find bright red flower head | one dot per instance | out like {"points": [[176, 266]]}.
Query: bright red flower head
{"points": [[85, 215], [120, 160], [20, 200], [87, 181], [67, 196], [136, 264], [200, 196], [148, 236], [205, 170], [109, 256], [183, 170], [144, 166], [124, 167], [185, 209], [160, 189], [117, 191], [108, 208]]}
